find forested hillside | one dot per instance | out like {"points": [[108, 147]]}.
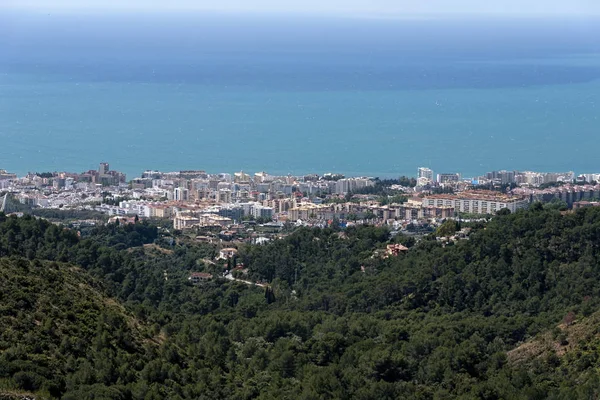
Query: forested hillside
{"points": [[56, 323], [509, 313]]}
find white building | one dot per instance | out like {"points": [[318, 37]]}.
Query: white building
{"points": [[183, 221], [448, 178], [224, 196], [344, 186], [262, 177], [181, 194], [425, 173], [262, 212], [477, 202], [227, 253], [423, 181], [591, 177]]}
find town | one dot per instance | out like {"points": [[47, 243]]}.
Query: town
{"points": [[256, 207]]}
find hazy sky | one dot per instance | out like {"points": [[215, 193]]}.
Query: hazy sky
{"points": [[339, 7]]}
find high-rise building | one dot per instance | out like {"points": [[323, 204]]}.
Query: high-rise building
{"points": [[6, 175], [262, 212], [591, 177], [261, 177], [502, 176], [181, 194], [241, 177], [447, 178], [425, 173], [104, 168], [224, 196], [344, 186]]}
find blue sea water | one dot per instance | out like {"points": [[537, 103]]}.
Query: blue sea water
{"points": [[225, 93]]}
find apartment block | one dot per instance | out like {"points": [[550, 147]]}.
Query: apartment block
{"points": [[477, 202]]}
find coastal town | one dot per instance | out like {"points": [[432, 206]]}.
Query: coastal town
{"points": [[256, 207]]}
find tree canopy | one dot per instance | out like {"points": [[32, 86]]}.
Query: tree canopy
{"points": [[108, 313]]}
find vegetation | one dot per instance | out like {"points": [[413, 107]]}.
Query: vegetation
{"points": [[406, 181], [60, 334], [510, 313], [67, 214], [382, 189], [258, 220], [45, 174]]}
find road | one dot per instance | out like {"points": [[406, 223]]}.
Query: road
{"points": [[231, 278]]}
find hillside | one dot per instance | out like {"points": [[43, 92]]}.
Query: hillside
{"points": [[479, 319], [59, 331], [570, 351]]}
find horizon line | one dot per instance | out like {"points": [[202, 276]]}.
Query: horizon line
{"points": [[295, 13]]}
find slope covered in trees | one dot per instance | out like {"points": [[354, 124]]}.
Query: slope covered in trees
{"points": [[60, 333], [337, 321]]}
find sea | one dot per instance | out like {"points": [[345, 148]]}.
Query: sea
{"points": [[368, 96]]}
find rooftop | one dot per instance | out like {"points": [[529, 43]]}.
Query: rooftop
{"points": [[200, 275], [476, 195]]}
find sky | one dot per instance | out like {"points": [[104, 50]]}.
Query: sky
{"points": [[326, 7]]}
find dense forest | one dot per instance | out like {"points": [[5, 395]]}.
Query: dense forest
{"points": [[510, 313]]}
